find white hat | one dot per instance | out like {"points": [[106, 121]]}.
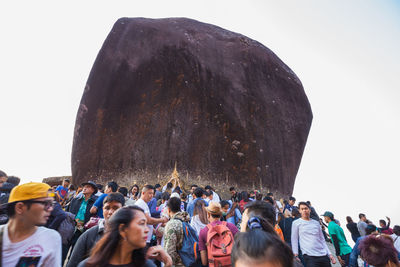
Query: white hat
{"points": [[175, 194]]}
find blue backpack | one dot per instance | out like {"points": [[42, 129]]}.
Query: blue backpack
{"points": [[189, 252]]}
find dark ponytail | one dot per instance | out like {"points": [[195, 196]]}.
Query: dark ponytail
{"points": [[256, 222]]}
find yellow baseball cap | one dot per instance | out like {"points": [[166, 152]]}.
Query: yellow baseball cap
{"points": [[30, 191]]}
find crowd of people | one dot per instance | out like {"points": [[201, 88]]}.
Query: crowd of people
{"points": [[91, 225]]}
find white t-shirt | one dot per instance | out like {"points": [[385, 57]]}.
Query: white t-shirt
{"points": [[140, 203], [42, 249], [396, 240], [215, 197], [312, 240], [279, 205]]}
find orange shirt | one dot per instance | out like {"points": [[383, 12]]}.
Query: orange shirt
{"points": [[278, 230]]}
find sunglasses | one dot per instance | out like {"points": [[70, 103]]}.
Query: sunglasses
{"points": [[47, 204]]}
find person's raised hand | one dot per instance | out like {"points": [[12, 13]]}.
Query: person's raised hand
{"points": [[158, 253]]}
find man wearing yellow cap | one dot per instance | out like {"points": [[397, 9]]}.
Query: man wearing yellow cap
{"points": [[23, 240]]}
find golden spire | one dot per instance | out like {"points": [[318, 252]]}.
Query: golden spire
{"points": [[175, 173]]}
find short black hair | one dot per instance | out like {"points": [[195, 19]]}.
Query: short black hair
{"points": [[67, 180], [245, 196], [170, 185], [261, 209], [3, 174], [194, 185], [177, 189], [231, 188], [183, 196], [71, 187], [157, 186], [208, 187], [147, 187], [292, 198], [396, 230], [11, 207], [118, 197], [207, 193], [13, 180], [198, 192], [165, 196], [296, 213], [270, 194], [361, 215], [124, 191], [370, 229], [224, 203], [99, 186], [304, 204], [174, 204], [269, 200], [113, 185]]}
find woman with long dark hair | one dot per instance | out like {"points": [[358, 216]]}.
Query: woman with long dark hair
{"points": [[124, 242], [199, 219], [134, 195], [352, 227]]}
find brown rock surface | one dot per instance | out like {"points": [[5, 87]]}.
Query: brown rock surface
{"points": [[223, 106], [53, 181]]}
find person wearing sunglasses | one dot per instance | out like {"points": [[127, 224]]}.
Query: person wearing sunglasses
{"points": [[24, 241]]}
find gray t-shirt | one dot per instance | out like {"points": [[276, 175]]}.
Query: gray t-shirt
{"points": [[361, 225]]}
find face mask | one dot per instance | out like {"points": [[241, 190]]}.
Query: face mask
{"points": [[224, 213]]}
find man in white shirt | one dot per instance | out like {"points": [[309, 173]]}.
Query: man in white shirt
{"points": [[190, 197], [312, 241], [24, 241], [396, 237], [146, 196], [215, 197]]}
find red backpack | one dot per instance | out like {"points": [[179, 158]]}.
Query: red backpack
{"points": [[219, 245]]}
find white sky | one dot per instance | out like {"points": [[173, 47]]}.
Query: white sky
{"points": [[346, 53]]}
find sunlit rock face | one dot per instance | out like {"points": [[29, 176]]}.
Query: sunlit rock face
{"points": [[221, 105]]}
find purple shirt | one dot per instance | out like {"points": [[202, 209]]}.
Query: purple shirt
{"points": [[204, 232]]}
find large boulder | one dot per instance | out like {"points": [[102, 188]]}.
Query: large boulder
{"points": [[221, 105]]}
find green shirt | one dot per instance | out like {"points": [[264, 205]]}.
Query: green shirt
{"points": [[82, 210], [335, 229]]}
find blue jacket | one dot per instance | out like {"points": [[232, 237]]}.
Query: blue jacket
{"points": [[153, 208]]}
